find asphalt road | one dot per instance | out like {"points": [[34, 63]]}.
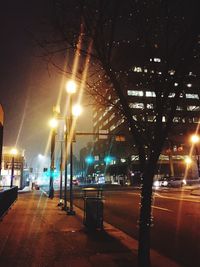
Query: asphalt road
{"points": [[176, 213]]}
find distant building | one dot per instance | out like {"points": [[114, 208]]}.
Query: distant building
{"points": [[7, 166]]}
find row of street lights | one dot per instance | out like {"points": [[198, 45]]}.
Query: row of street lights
{"points": [[75, 110]]}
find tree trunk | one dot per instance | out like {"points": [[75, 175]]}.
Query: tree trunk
{"points": [[145, 220]]}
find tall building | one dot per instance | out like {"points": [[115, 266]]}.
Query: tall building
{"points": [[142, 102]]}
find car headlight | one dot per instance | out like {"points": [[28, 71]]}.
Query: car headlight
{"points": [[184, 182], [165, 183], [156, 183]]}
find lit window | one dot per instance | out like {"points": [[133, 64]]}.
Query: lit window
{"points": [[189, 85], [136, 105], [163, 119], [112, 127], [150, 94], [105, 122], [151, 118], [171, 95], [171, 72], [190, 108], [137, 69], [135, 93], [112, 116], [194, 96], [176, 119], [156, 59], [150, 106], [135, 118]]}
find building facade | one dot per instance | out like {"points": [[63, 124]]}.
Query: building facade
{"points": [[18, 164], [142, 103]]}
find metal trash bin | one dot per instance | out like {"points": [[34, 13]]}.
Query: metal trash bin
{"points": [[93, 208]]}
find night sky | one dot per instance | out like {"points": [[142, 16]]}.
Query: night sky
{"points": [[27, 90]]}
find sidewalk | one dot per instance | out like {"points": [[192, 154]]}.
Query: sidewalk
{"points": [[36, 233]]}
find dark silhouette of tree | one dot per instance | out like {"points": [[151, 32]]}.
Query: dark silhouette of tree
{"points": [[150, 46]]}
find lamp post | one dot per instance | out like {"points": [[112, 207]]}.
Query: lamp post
{"points": [[76, 110], [61, 173], [195, 139], [53, 124], [13, 152]]}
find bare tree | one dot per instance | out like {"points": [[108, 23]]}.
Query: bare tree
{"points": [[146, 45]]}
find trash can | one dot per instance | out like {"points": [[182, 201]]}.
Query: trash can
{"points": [[93, 208]]}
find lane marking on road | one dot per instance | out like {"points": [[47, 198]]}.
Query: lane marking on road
{"points": [[160, 208], [177, 198]]}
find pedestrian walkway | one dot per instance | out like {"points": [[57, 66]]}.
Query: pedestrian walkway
{"points": [[37, 233]]}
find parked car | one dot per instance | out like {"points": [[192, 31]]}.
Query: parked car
{"points": [[176, 182], [169, 182], [75, 182]]}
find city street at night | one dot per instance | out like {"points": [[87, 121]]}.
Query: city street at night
{"points": [[176, 213], [100, 133]]}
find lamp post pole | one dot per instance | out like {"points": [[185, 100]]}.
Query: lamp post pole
{"points": [[71, 211], [195, 139], [13, 152], [61, 173], [51, 189], [65, 186], [197, 159], [12, 171]]}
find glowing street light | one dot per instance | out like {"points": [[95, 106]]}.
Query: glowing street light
{"points": [[195, 139], [76, 110], [188, 160], [13, 153], [71, 87], [53, 123]]}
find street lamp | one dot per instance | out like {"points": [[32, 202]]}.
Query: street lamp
{"points": [[195, 139], [53, 124], [70, 89], [13, 153], [188, 160]]}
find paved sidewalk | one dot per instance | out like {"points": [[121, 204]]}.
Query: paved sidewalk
{"points": [[36, 233]]}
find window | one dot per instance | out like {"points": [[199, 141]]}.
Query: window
{"points": [[156, 59], [112, 116], [112, 127], [150, 106], [171, 95], [135, 93], [194, 96], [151, 118], [137, 69], [190, 108], [136, 105], [150, 94]]}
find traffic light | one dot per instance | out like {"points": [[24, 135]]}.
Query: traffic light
{"points": [[89, 159], [108, 159]]}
